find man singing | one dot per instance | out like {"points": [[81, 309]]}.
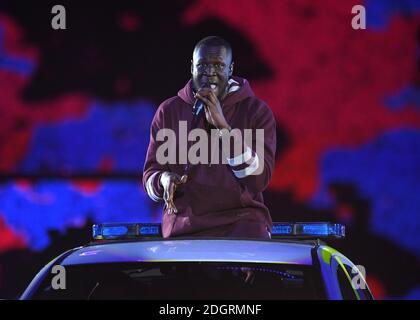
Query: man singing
{"points": [[222, 198]]}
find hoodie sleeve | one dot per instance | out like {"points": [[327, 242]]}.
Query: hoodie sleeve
{"points": [[152, 169], [254, 167]]}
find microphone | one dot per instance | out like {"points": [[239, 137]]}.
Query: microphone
{"points": [[198, 107], [197, 114]]}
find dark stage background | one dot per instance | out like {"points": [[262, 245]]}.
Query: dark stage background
{"points": [[76, 105]]}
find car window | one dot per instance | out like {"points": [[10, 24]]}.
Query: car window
{"points": [[347, 278], [185, 281], [345, 285]]}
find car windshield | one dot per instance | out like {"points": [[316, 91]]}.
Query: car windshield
{"points": [[192, 281]]}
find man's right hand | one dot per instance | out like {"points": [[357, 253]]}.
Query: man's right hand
{"points": [[169, 181]]}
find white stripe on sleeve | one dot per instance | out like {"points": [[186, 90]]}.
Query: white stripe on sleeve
{"points": [[242, 158], [248, 170], [149, 188]]}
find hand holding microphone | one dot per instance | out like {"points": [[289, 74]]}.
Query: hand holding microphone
{"points": [[208, 101]]}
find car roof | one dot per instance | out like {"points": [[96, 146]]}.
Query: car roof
{"points": [[190, 250]]}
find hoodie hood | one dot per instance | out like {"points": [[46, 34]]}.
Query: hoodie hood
{"points": [[244, 92]]}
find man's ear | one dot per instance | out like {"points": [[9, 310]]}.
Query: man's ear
{"points": [[192, 67], [231, 69]]}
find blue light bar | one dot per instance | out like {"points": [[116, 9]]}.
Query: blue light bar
{"points": [[112, 231], [308, 230]]}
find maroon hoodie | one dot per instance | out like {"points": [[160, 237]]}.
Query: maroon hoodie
{"points": [[217, 195]]}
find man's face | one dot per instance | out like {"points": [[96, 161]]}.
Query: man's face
{"points": [[212, 67]]}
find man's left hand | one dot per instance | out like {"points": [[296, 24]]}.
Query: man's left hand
{"points": [[213, 108]]}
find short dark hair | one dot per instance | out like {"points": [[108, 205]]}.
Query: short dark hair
{"points": [[214, 41]]}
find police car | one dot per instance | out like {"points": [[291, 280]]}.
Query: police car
{"points": [[133, 261]]}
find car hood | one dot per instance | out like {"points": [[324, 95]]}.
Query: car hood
{"points": [[250, 251]]}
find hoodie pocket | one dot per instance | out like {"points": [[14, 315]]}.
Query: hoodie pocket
{"points": [[212, 189]]}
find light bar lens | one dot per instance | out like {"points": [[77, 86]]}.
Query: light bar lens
{"points": [[308, 229], [282, 229], [150, 230], [110, 231]]}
